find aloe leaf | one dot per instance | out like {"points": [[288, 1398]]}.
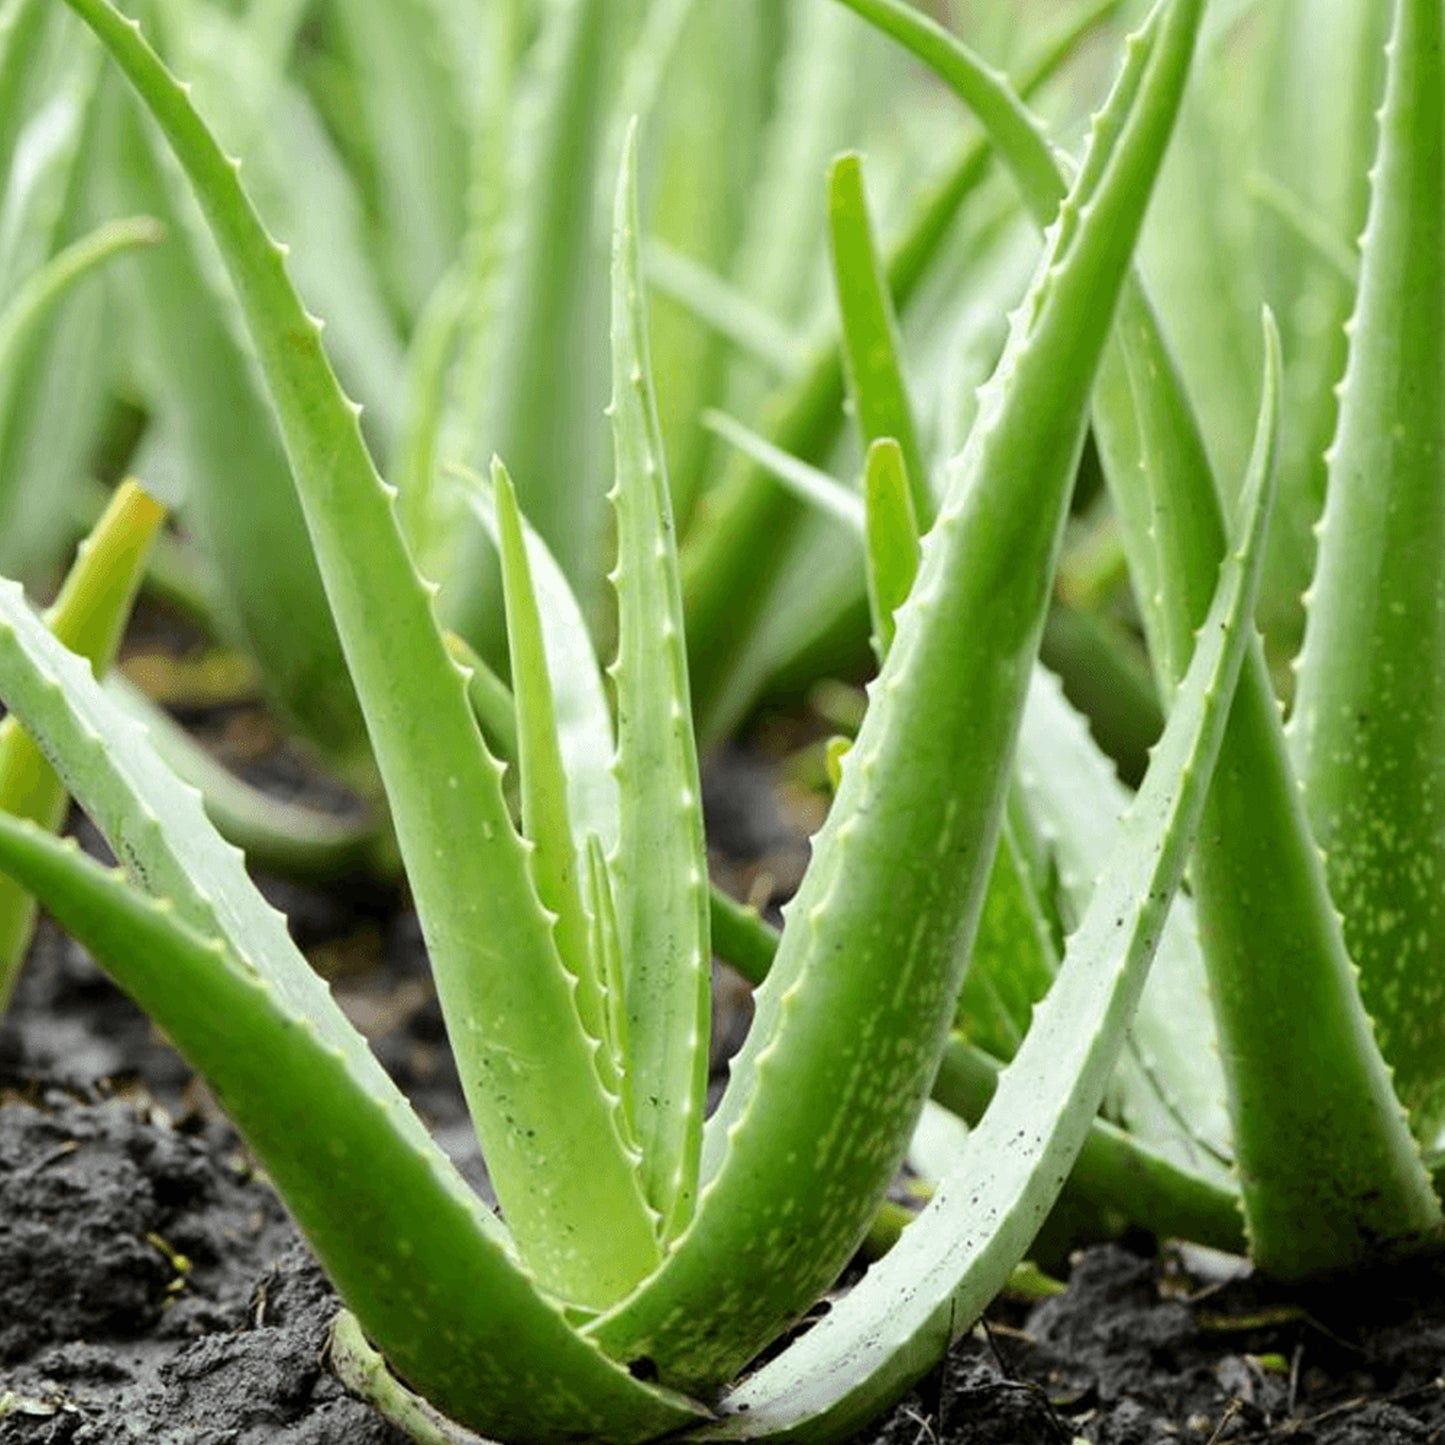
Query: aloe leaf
{"points": [[284, 838], [49, 285], [659, 868], [871, 344], [355, 1166], [88, 616], [931, 1287], [1328, 1168], [740, 547], [854, 1015], [1116, 1170], [542, 390], [508, 999], [239, 497], [809, 483], [724, 309], [542, 770], [1170, 1089], [414, 125], [583, 716], [53, 395], [607, 952], [891, 536], [1365, 730]]}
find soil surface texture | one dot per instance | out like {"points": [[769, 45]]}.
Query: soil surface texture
{"points": [[152, 1288]]}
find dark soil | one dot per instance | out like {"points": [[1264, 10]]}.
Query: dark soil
{"points": [[152, 1288]]}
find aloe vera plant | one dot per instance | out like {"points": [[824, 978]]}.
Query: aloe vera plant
{"points": [[643, 1259], [1321, 1111]]}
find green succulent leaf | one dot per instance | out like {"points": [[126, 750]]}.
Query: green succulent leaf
{"points": [[1328, 1168], [579, 697], [358, 1172], [659, 870], [891, 536], [931, 1287], [1367, 725], [526, 1061], [881, 943], [542, 770], [89, 617], [871, 343]]}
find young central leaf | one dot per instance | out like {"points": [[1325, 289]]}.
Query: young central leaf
{"points": [[660, 867]]}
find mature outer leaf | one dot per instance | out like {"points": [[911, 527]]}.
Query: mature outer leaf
{"points": [[851, 1022], [1171, 1089], [239, 496], [931, 1287], [411, 1248], [1369, 721], [659, 870], [870, 330], [740, 547], [1328, 1168], [525, 1059], [89, 617]]}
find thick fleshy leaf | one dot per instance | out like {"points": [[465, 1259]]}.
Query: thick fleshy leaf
{"points": [[1329, 1170], [541, 768], [525, 1060], [855, 1013], [950, 1262], [410, 1246], [871, 343], [1369, 719], [88, 616], [659, 869]]}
